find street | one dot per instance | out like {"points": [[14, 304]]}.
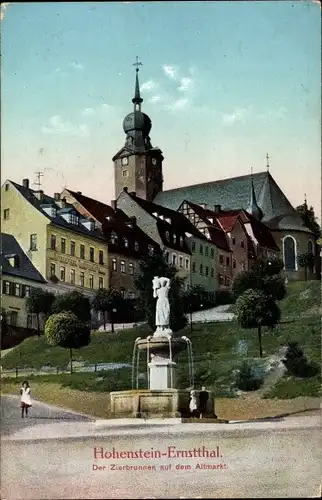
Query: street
{"points": [[267, 459]]}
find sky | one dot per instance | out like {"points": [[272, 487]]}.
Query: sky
{"points": [[224, 83]]}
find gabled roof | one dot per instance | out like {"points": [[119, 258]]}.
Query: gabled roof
{"points": [[96, 208], [30, 196], [10, 248], [232, 193]]}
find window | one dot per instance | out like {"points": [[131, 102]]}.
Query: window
{"points": [[122, 291], [72, 248], [243, 266], [212, 252], [82, 252], [29, 321], [221, 279], [193, 246], [207, 272], [91, 254], [186, 263], [17, 290], [114, 265], [233, 240], [234, 264], [101, 257], [7, 187], [150, 250], [62, 274], [201, 249], [310, 248], [33, 242], [53, 242], [72, 276], [227, 261], [136, 246], [181, 261], [174, 259], [91, 281], [100, 282], [126, 242], [201, 269], [27, 291], [6, 214], [73, 219], [63, 245], [52, 270], [221, 259], [131, 268], [122, 266], [174, 238], [181, 241], [242, 244], [193, 267], [131, 295], [125, 173], [206, 251], [289, 253], [82, 279], [166, 256], [6, 287], [227, 281], [212, 272]]}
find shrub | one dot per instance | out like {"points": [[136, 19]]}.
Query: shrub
{"points": [[250, 376], [296, 362]]}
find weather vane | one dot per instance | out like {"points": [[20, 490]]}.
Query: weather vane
{"points": [[267, 161], [137, 63]]}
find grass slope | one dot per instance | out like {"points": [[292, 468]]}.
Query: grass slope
{"points": [[214, 347]]}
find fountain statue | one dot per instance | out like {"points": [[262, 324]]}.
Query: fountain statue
{"points": [[161, 398]]}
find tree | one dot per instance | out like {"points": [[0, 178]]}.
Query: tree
{"points": [[39, 302], [157, 266], [106, 301], [306, 260], [266, 275], [64, 329], [308, 218], [296, 362], [255, 310], [74, 302], [195, 298]]}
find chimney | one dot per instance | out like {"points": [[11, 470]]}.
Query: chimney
{"points": [[39, 195], [63, 202], [125, 189], [217, 209], [56, 196], [25, 183], [113, 204]]}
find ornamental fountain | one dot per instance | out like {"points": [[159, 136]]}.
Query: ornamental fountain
{"points": [[161, 398]]}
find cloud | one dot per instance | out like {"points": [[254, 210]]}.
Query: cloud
{"points": [[147, 86], [186, 84], [88, 112], [58, 126], [4, 7], [155, 98], [170, 71], [178, 104], [238, 115], [77, 65]]}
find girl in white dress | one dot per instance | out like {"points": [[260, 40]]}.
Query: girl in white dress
{"points": [[25, 401]]}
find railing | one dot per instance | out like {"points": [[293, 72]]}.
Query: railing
{"points": [[56, 370]]}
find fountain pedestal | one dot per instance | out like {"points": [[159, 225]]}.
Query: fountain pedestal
{"points": [[162, 373]]}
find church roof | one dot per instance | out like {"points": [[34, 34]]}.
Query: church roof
{"points": [[234, 193]]}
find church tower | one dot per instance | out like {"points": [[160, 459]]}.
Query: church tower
{"points": [[138, 165]]}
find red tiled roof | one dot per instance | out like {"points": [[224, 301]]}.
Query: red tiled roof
{"points": [[219, 238], [98, 209]]}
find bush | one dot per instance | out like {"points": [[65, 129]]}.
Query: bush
{"points": [[224, 297], [250, 376], [76, 303], [296, 362]]}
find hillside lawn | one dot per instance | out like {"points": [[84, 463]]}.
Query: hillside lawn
{"points": [[215, 358]]}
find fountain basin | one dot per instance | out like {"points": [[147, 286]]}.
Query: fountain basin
{"points": [[160, 345], [147, 403]]}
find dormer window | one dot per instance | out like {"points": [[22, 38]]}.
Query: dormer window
{"points": [[136, 246], [126, 242], [114, 239], [73, 219], [174, 238]]}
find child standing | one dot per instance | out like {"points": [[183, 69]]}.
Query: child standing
{"points": [[25, 401]]}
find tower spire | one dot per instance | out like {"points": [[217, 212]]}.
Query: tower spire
{"points": [[137, 99], [253, 207]]}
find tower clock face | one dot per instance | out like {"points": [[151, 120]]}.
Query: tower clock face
{"points": [[154, 161], [125, 161]]}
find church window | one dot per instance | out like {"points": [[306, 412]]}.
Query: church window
{"points": [[289, 252]]}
